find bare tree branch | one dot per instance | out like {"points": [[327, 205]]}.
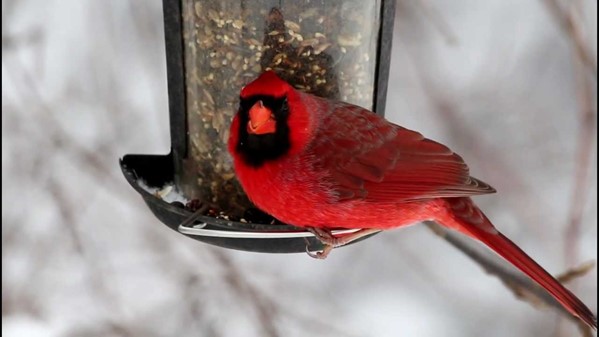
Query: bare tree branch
{"points": [[570, 24]]}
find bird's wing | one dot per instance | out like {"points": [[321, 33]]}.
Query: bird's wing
{"points": [[370, 158]]}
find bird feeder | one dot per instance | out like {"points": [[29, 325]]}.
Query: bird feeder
{"points": [[336, 49]]}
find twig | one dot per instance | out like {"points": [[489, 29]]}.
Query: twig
{"points": [[585, 70], [576, 272], [570, 25], [583, 161]]}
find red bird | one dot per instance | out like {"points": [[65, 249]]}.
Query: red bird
{"points": [[323, 164]]}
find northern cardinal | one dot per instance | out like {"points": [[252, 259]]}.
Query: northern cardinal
{"points": [[323, 164]]}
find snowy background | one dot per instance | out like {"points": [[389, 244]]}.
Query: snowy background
{"points": [[510, 85]]}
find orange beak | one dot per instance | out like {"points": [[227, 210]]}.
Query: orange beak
{"points": [[261, 120]]}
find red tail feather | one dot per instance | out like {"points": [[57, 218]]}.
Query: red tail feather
{"points": [[470, 220]]}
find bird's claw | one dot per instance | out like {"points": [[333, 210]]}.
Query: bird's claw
{"points": [[320, 255], [330, 241]]}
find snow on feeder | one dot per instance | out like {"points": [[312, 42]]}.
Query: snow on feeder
{"points": [[334, 49]]}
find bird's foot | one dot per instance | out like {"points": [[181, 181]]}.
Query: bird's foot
{"points": [[330, 241], [325, 236], [320, 255]]}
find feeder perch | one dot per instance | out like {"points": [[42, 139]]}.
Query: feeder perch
{"points": [[334, 49]]}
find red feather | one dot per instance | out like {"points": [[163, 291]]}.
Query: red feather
{"points": [[347, 167], [378, 161], [469, 219]]}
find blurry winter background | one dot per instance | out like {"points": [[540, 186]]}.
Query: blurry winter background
{"points": [[510, 85]]}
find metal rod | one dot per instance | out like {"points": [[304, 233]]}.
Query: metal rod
{"points": [[254, 235]]}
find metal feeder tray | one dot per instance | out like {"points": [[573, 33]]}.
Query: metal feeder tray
{"points": [[157, 170]]}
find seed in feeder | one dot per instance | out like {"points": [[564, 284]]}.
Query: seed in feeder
{"points": [[274, 32], [309, 42], [213, 15], [225, 138], [349, 41], [292, 25], [237, 24], [198, 9], [163, 193], [228, 176], [208, 96], [321, 48], [207, 44]]}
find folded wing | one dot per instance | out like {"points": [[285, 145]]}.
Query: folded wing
{"points": [[369, 158]]}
